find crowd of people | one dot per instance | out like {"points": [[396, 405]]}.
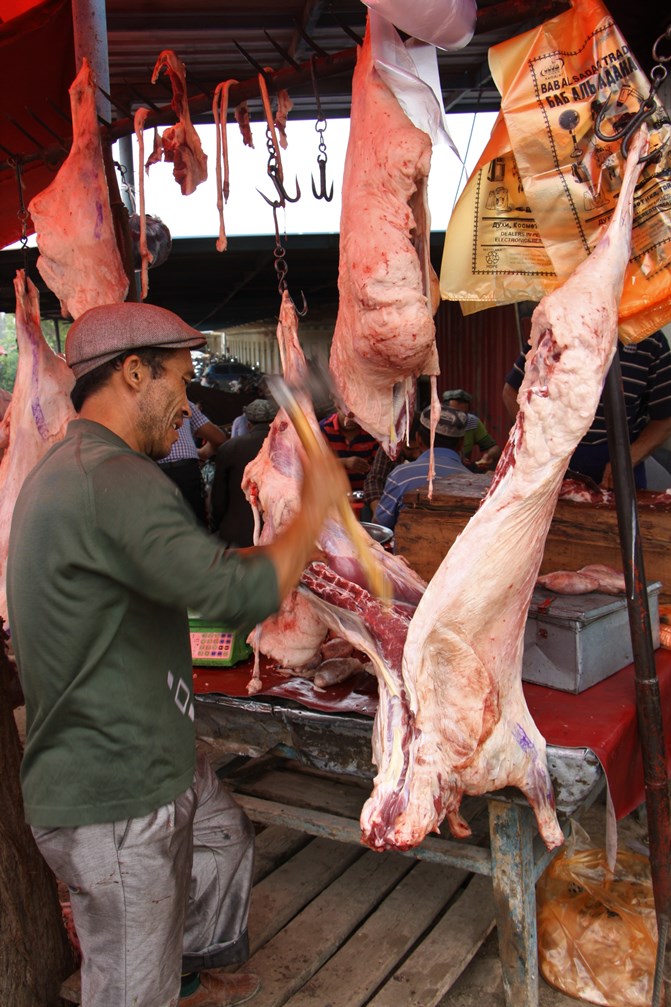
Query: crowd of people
{"points": [[462, 442]]}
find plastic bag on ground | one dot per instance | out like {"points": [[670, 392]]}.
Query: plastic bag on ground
{"points": [[597, 931]]}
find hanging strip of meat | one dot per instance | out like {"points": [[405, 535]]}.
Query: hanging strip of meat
{"points": [[462, 661], [384, 335], [145, 255], [181, 144], [79, 259], [220, 114], [38, 414], [241, 114], [284, 106]]}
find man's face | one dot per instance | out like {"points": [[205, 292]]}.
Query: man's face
{"points": [[347, 423], [458, 404], [164, 406]]}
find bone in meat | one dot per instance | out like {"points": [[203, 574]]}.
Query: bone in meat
{"points": [[145, 255], [79, 259], [38, 415], [472, 731], [181, 144], [384, 335]]}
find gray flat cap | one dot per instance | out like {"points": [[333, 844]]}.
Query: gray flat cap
{"points": [[459, 394], [103, 333], [452, 423], [260, 411]]}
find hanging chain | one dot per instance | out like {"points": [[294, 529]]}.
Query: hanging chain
{"points": [[22, 214], [656, 53]]}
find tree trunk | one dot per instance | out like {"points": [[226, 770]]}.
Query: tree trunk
{"points": [[35, 955]]}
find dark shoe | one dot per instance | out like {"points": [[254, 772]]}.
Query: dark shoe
{"points": [[221, 989]]}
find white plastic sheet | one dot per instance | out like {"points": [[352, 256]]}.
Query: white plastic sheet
{"points": [[448, 24]]}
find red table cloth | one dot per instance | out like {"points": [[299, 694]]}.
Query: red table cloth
{"points": [[602, 718]]}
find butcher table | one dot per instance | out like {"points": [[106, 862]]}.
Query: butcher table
{"points": [[592, 737]]}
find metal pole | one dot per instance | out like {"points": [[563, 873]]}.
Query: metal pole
{"points": [[648, 702], [89, 21]]}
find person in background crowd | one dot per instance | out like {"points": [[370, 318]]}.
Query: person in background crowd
{"points": [[373, 486], [182, 465], [476, 432], [414, 475], [231, 516], [354, 447], [156, 854], [646, 381]]}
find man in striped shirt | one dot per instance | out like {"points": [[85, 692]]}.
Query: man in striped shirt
{"points": [[352, 444], [646, 379], [414, 475]]}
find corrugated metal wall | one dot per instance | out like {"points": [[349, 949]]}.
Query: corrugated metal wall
{"points": [[475, 353]]}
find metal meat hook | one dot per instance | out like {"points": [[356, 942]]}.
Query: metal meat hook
{"points": [[284, 196], [322, 194], [627, 131]]}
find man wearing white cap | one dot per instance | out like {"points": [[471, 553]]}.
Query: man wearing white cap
{"points": [[414, 475], [104, 558]]}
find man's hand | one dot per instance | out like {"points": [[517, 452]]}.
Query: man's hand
{"points": [[356, 465]]}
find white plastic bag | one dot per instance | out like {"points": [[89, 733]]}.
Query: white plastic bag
{"points": [[448, 24], [410, 71]]}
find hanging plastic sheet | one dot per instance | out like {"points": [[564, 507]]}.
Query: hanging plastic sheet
{"points": [[546, 185], [448, 24]]}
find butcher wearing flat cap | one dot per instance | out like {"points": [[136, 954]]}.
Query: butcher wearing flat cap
{"points": [[105, 557], [414, 475]]}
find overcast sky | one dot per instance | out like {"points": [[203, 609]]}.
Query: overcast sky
{"points": [[247, 213]]}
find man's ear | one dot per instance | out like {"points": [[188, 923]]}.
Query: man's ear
{"points": [[133, 371]]}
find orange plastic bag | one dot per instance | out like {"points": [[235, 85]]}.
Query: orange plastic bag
{"points": [[546, 185], [597, 931]]}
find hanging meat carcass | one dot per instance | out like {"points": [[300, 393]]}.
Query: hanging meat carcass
{"points": [[272, 484], [468, 726], [384, 335], [79, 258], [180, 144], [38, 414]]}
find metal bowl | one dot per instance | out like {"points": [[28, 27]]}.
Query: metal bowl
{"points": [[378, 532]]}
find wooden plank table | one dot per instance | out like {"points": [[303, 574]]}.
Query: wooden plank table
{"points": [[580, 533], [322, 781]]}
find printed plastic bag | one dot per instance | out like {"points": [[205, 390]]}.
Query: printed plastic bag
{"points": [[449, 24], [597, 931], [545, 187]]}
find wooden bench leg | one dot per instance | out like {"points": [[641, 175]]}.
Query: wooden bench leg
{"points": [[512, 828]]}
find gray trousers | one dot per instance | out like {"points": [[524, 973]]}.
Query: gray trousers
{"points": [[156, 896]]}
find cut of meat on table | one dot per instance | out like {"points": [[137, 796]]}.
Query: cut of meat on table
{"points": [[384, 335], [181, 144], [469, 729], [38, 415], [79, 258], [594, 577]]}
